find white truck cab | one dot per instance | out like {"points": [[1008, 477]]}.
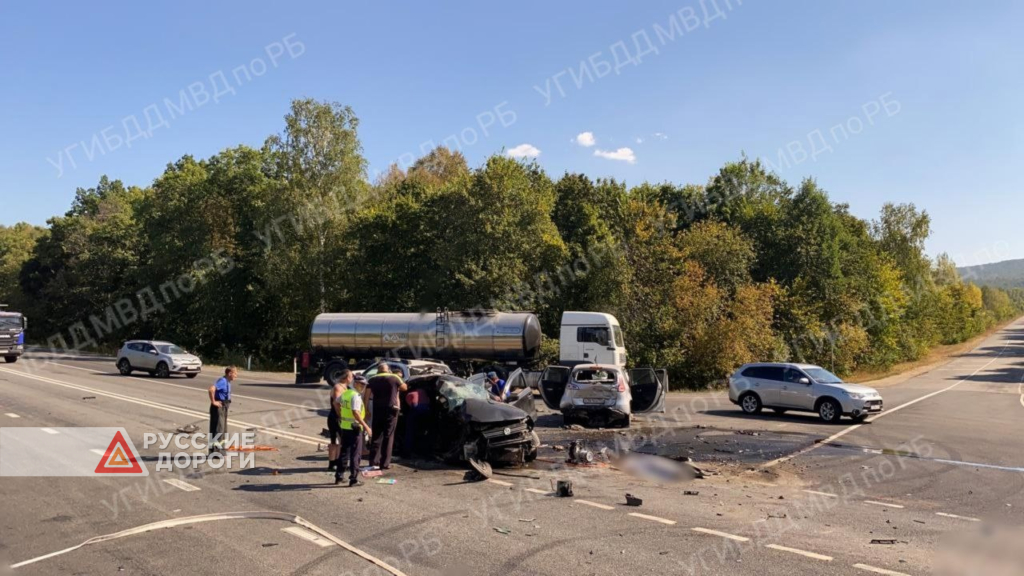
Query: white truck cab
{"points": [[591, 338]]}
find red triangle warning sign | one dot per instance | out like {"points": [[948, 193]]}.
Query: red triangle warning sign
{"points": [[118, 458]]}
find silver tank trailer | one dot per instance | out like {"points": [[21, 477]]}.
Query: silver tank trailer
{"points": [[487, 336]]}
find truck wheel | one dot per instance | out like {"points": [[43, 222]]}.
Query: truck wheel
{"points": [[333, 372], [124, 367], [10, 359], [162, 371]]}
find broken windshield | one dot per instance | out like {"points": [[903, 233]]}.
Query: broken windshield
{"points": [[595, 376], [457, 391]]}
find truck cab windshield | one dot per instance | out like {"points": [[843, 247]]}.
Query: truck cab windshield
{"points": [[10, 323]]}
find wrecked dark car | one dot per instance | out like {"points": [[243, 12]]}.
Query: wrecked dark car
{"points": [[465, 424]]}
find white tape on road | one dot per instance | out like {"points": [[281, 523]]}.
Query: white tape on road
{"points": [[215, 517], [956, 517], [652, 518], [309, 536], [828, 494], [721, 534], [594, 504], [868, 568], [804, 553], [500, 482], [49, 430], [886, 504], [182, 485], [12, 415]]}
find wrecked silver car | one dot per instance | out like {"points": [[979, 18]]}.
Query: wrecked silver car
{"points": [[465, 424]]}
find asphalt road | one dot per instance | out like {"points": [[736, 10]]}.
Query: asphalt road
{"points": [[936, 480]]}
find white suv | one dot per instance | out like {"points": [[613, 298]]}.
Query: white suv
{"points": [[803, 387], [160, 359]]}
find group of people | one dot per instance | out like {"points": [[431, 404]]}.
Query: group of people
{"points": [[347, 421]]}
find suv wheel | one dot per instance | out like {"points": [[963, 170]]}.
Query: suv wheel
{"points": [[124, 367], [750, 403], [162, 371], [830, 411]]}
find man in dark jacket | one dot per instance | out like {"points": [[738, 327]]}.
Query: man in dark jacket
{"points": [[384, 389]]}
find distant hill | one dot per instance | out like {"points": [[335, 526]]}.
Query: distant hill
{"points": [[1005, 274]]}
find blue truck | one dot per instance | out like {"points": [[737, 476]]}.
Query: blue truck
{"points": [[12, 335]]}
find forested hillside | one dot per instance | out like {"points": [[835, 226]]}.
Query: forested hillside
{"points": [[233, 255], [1005, 274]]}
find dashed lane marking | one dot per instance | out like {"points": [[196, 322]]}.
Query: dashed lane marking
{"points": [[829, 494], [536, 491], [182, 485], [193, 388], [500, 483], [721, 534], [813, 555], [877, 570], [594, 504], [886, 504], [846, 431], [196, 414], [652, 518], [12, 415], [98, 451], [967, 518], [307, 535], [49, 430]]}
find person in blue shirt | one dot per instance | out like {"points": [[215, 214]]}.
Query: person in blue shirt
{"points": [[220, 399], [496, 386]]}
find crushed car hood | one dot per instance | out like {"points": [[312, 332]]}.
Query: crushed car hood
{"points": [[485, 411]]}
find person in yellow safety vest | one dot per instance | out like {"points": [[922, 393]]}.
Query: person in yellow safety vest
{"points": [[352, 417]]}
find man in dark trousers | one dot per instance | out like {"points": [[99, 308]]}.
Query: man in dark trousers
{"points": [[352, 421], [384, 389], [220, 399]]}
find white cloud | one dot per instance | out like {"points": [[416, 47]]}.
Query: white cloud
{"points": [[661, 136], [639, 140], [585, 139], [622, 154], [524, 151]]}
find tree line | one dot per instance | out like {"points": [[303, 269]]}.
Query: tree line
{"points": [[233, 256]]}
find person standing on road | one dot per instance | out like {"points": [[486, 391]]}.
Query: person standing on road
{"points": [[352, 420], [384, 389], [334, 420], [220, 400]]}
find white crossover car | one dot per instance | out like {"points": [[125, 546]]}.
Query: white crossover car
{"points": [[802, 387], [160, 359]]}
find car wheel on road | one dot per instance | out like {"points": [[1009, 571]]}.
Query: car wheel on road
{"points": [[124, 367], [10, 359], [751, 403], [830, 411], [162, 371], [779, 411]]}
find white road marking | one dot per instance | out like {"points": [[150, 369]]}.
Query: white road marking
{"points": [[307, 535], [829, 494], [98, 451], [595, 504], [535, 491], [49, 430], [195, 414], [652, 518], [183, 485], [800, 552], [309, 406], [876, 570], [500, 483], [12, 415], [1020, 389], [721, 534], [846, 431], [876, 503], [968, 518]]}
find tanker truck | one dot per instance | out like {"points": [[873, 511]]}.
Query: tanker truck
{"points": [[455, 338]]}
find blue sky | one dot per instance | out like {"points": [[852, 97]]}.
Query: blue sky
{"points": [[767, 75]]}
